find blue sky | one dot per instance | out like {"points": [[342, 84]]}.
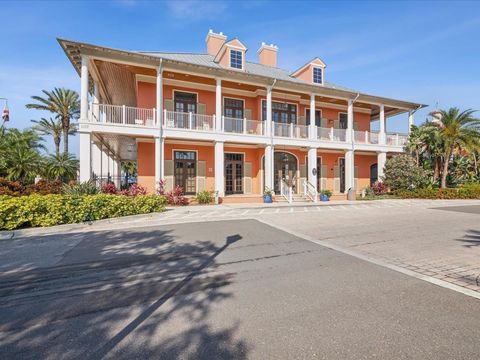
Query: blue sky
{"points": [[425, 52]]}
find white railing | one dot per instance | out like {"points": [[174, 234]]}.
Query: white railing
{"points": [[286, 191], [310, 191], [373, 138], [242, 126], [188, 121], [396, 139], [121, 115], [290, 130]]}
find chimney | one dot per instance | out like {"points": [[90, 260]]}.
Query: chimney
{"points": [[214, 42], [267, 55]]}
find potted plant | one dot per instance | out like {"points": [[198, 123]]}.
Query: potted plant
{"points": [[325, 195], [267, 195]]}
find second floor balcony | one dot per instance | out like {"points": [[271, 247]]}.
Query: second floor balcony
{"points": [[118, 115]]}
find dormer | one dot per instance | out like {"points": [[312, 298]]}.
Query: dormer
{"points": [[312, 72], [232, 55]]}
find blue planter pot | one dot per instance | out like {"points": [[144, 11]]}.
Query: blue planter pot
{"points": [[324, 197], [267, 199]]}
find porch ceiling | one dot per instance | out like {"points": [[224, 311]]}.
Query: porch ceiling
{"points": [[119, 82], [123, 147]]}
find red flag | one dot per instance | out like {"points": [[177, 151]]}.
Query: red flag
{"points": [[5, 114]]}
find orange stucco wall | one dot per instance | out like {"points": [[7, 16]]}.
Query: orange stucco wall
{"points": [[146, 93], [146, 165], [204, 153]]}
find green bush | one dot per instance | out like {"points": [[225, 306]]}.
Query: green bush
{"points": [[467, 192], [204, 197], [401, 172], [84, 188], [49, 210]]}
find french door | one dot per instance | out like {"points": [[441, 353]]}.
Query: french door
{"points": [[233, 173], [184, 103], [341, 163], [186, 171]]}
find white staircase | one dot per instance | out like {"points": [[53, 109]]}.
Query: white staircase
{"points": [[287, 196]]}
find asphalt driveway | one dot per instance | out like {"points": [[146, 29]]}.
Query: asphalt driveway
{"points": [[219, 290]]}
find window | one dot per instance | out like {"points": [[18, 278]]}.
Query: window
{"points": [[317, 75], [318, 117], [343, 120], [185, 102], [283, 113], [185, 171], [236, 59], [233, 108]]}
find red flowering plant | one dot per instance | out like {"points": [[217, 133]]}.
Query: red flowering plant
{"points": [[174, 197], [109, 188], [134, 190], [379, 188]]}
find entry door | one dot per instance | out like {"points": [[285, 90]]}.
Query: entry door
{"points": [[233, 173], [185, 171], [285, 168], [318, 117], [341, 163], [184, 103], [319, 173]]}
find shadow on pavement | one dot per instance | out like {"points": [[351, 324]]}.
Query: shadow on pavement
{"points": [[106, 288]]}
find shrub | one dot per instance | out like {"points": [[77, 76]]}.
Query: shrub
{"points": [[85, 188], [56, 209], [326, 192], [176, 197], [204, 197], [44, 187], [401, 172], [379, 188], [10, 188], [109, 188], [459, 193]]}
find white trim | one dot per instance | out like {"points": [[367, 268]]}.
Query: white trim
{"points": [[241, 51]]}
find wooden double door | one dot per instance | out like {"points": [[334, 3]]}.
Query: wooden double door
{"points": [[234, 172]]}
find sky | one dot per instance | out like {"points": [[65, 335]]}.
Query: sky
{"points": [[425, 52]]}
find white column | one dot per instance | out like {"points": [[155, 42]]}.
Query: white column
{"points": [[269, 168], [348, 135], [96, 100], [312, 164], [381, 135], [159, 99], [218, 105], [84, 90], [381, 160], [219, 169], [159, 145], [85, 156], [269, 125], [349, 170], [313, 128], [410, 121]]}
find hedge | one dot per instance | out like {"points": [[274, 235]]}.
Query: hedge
{"points": [[48, 210], [467, 192]]}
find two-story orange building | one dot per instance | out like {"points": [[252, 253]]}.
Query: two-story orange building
{"points": [[215, 121]]}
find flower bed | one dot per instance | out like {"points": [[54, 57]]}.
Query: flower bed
{"points": [[49, 210]]}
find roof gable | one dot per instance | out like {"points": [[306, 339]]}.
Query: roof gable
{"points": [[314, 62], [234, 43]]}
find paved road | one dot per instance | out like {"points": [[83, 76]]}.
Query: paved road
{"points": [[213, 290]]}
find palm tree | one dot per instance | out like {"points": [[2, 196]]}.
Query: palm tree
{"points": [[64, 103], [458, 131], [415, 142], [23, 164], [54, 128], [62, 166]]}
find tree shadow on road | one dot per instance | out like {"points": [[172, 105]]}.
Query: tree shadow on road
{"points": [[471, 239], [87, 309]]}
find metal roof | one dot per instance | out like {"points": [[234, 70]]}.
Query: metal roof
{"points": [[251, 68]]}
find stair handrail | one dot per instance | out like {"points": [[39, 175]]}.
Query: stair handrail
{"points": [[286, 191], [310, 191]]}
